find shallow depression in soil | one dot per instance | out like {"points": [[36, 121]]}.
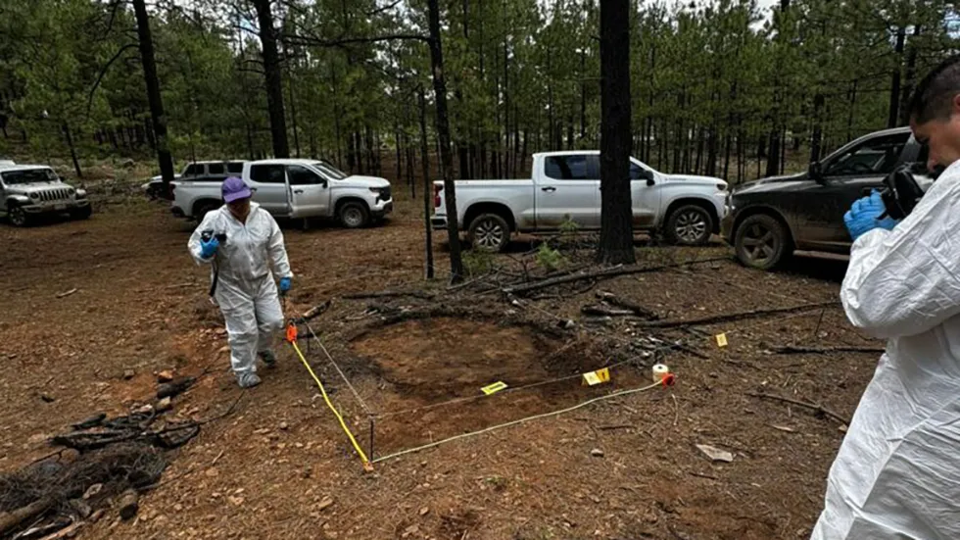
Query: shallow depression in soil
{"points": [[427, 363], [438, 358]]}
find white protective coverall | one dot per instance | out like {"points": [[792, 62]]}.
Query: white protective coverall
{"points": [[246, 291], [897, 474]]}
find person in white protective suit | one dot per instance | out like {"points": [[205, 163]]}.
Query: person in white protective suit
{"points": [[242, 241], [897, 474]]}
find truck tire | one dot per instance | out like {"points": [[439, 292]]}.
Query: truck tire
{"points": [[82, 213], [761, 242], [489, 232], [203, 209], [354, 215], [17, 216], [689, 225]]}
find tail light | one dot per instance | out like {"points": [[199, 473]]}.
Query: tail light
{"points": [[436, 195]]}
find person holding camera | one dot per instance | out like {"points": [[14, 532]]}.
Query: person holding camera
{"points": [[897, 474], [242, 241]]}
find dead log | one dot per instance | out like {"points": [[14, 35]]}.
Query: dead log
{"points": [[68, 532], [731, 317], [790, 349], [816, 407], [13, 519], [601, 274], [175, 387], [129, 504], [315, 311], [606, 312], [637, 309], [388, 294]]}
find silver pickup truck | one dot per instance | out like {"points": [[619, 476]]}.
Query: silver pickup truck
{"points": [[565, 187], [28, 191], [297, 189]]}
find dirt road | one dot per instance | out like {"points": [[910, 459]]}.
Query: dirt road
{"points": [[279, 467]]}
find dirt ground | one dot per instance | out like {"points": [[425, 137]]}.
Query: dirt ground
{"points": [[280, 467]]}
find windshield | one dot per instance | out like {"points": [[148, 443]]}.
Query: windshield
{"points": [[330, 170], [29, 176]]}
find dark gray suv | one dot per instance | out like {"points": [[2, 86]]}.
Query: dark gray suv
{"points": [[767, 220]]}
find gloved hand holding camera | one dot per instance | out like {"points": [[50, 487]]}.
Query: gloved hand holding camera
{"points": [[867, 214], [210, 243]]}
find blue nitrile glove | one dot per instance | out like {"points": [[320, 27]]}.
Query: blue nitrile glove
{"points": [[209, 249], [863, 216], [285, 284]]}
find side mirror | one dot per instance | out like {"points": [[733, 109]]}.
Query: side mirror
{"points": [[648, 176], [816, 171]]}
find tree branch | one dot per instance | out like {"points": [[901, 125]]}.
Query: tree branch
{"points": [[103, 71], [340, 42]]}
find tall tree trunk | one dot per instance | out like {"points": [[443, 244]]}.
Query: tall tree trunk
{"points": [[274, 81], [73, 149], [909, 75], [443, 134], [817, 138], [293, 111], [773, 154], [149, 63], [616, 209], [850, 109], [894, 109], [583, 96]]}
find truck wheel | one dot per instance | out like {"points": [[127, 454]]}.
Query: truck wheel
{"points": [[761, 242], [689, 225], [203, 209], [17, 216], [82, 213], [489, 232], [354, 215]]}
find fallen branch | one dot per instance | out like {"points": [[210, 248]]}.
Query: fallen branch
{"points": [[606, 312], [637, 309], [67, 293], [11, 520], [388, 294], [790, 349], [602, 274], [730, 317], [816, 407]]}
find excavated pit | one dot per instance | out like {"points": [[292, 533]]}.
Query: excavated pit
{"points": [[422, 364]]}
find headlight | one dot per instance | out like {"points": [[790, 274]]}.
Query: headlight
{"points": [[72, 192], [81, 194], [721, 187], [34, 195]]}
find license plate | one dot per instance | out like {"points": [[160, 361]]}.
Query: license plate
{"points": [[59, 207]]}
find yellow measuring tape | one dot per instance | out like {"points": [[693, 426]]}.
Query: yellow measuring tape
{"points": [[292, 338]]}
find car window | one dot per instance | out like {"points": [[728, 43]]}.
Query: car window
{"points": [[267, 174], [29, 176], [330, 170], [876, 156], [581, 167], [192, 170], [215, 168], [302, 176], [235, 167]]}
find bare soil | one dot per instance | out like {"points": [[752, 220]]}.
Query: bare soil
{"points": [[280, 467]]}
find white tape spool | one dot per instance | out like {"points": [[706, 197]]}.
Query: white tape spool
{"points": [[659, 372]]}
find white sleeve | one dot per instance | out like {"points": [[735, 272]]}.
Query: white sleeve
{"points": [[278, 253], [194, 243], [907, 281]]}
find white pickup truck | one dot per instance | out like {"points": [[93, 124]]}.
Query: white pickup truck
{"points": [[294, 188], [565, 187]]}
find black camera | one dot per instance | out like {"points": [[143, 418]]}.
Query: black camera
{"points": [[901, 193], [207, 235]]}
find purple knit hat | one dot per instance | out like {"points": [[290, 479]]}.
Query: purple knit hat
{"points": [[233, 189]]}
